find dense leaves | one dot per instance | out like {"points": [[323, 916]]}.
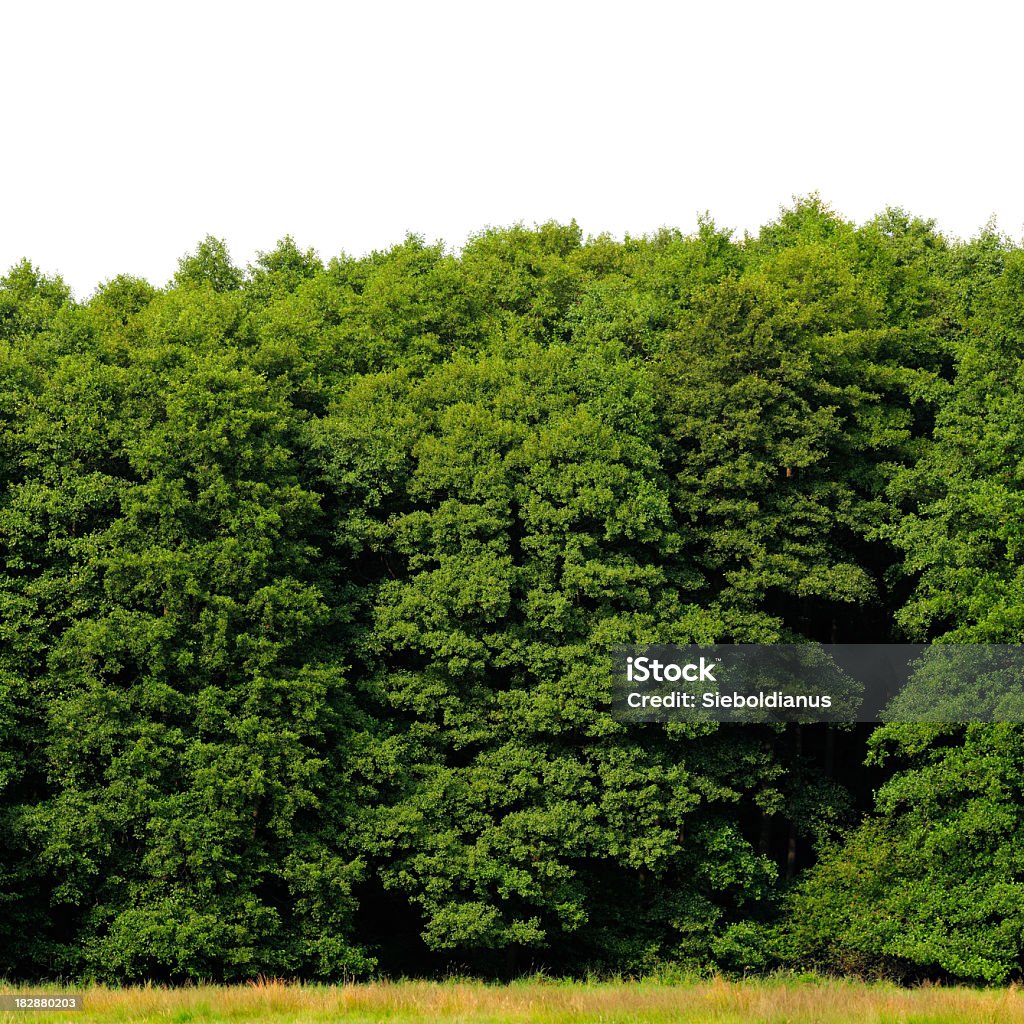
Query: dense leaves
{"points": [[311, 572], [935, 881]]}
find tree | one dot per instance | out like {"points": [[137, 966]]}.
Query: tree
{"points": [[932, 882], [513, 514], [166, 622]]}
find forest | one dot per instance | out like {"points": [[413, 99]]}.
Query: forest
{"points": [[310, 571]]}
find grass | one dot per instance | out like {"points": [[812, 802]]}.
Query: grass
{"points": [[538, 1002]]}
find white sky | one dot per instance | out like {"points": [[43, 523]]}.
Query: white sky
{"points": [[129, 130]]}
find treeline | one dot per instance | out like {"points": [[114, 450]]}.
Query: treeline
{"points": [[310, 573]]}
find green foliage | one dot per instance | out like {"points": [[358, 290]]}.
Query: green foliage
{"points": [[161, 597], [933, 882], [209, 266], [310, 573], [519, 523], [961, 530]]}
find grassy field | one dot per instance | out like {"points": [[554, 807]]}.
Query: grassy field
{"points": [[541, 1002]]}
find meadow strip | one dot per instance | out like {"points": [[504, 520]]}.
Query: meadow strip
{"points": [[539, 1002]]}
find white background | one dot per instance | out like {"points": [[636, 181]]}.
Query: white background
{"points": [[129, 130]]}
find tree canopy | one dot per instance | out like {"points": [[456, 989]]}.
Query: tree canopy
{"points": [[310, 572]]}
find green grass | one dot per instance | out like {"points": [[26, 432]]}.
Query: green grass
{"points": [[540, 1002]]}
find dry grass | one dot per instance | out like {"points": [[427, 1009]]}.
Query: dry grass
{"points": [[542, 1002]]}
